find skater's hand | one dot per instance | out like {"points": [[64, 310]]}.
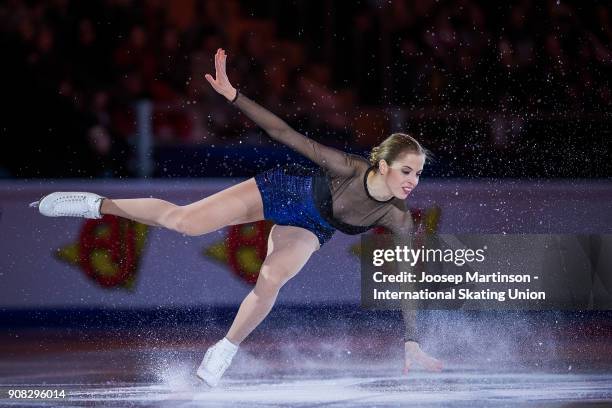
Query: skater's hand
{"points": [[413, 354], [221, 84]]}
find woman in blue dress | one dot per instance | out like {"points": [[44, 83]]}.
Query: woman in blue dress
{"points": [[348, 193]]}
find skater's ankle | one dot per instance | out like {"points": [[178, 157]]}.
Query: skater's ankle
{"points": [[231, 341], [105, 206]]}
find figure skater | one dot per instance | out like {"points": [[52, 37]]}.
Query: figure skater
{"points": [[346, 193]]}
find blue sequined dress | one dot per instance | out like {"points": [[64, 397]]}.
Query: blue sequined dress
{"points": [[287, 195]]}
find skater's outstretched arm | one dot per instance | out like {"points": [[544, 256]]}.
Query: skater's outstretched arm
{"points": [[399, 222], [333, 160]]}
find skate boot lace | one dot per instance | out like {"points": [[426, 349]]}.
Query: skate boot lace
{"points": [[73, 205]]}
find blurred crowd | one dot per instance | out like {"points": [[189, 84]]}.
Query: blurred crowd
{"points": [[347, 72]]}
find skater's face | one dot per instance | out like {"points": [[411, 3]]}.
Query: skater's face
{"points": [[402, 175]]}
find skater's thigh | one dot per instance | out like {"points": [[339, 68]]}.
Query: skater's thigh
{"points": [[289, 248], [240, 203]]}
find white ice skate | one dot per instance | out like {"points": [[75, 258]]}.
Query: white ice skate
{"points": [[216, 360], [70, 204]]}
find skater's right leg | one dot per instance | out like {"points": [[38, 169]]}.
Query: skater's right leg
{"points": [[240, 203], [237, 204], [149, 211]]}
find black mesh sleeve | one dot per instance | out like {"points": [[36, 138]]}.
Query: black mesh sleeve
{"points": [[399, 222], [333, 160]]}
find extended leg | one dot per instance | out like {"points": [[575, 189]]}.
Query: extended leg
{"points": [[240, 203]]}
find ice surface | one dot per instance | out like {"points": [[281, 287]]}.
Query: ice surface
{"points": [[163, 378]]}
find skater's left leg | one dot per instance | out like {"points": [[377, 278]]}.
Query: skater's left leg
{"points": [[289, 248]]}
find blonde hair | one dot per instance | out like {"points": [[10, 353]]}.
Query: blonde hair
{"points": [[394, 146]]}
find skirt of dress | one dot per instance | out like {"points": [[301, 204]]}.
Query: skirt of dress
{"points": [[286, 193]]}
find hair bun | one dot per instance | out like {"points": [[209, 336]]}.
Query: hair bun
{"points": [[393, 146], [374, 155]]}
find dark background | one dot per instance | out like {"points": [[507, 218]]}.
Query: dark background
{"points": [[516, 89], [505, 89]]}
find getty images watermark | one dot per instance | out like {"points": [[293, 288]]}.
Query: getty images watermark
{"points": [[486, 272]]}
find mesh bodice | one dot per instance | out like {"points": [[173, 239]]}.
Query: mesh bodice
{"points": [[347, 204]]}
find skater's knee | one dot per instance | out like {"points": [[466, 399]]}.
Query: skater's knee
{"points": [[266, 293], [272, 279], [180, 219]]}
